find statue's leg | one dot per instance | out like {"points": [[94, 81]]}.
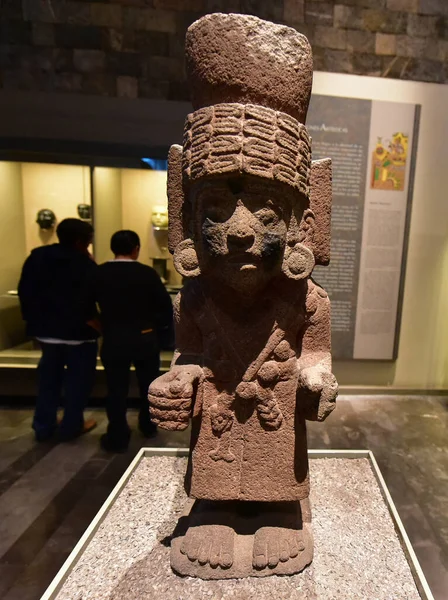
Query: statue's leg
{"points": [[208, 540]]}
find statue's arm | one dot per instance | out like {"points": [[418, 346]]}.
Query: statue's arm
{"points": [[317, 388], [172, 395]]}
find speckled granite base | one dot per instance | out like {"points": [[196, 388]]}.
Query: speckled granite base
{"points": [[357, 552]]}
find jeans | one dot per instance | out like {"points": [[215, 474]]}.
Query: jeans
{"points": [[117, 356], [68, 368]]}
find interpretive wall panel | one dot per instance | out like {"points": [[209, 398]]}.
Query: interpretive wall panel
{"points": [[372, 145]]}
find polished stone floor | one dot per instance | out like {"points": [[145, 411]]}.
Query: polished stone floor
{"points": [[50, 493]]}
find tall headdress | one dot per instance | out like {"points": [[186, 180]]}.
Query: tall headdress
{"points": [[250, 84]]}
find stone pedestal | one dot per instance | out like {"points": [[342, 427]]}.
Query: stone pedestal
{"points": [[125, 554]]}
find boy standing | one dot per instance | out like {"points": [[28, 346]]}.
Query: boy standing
{"points": [[134, 305]]}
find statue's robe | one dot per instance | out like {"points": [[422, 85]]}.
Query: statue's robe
{"points": [[236, 453]]}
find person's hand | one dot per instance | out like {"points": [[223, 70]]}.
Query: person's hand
{"points": [[317, 393], [171, 396]]}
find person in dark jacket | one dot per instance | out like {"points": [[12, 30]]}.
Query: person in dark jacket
{"points": [[52, 292], [134, 308]]}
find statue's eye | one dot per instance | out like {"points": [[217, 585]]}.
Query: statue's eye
{"points": [[267, 216]]}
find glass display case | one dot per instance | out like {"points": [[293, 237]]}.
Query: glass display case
{"points": [[112, 198]]}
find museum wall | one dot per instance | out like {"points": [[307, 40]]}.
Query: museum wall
{"points": [[107, 209], [143, 191], [126, 199], [57, 187], [12, 252], [135, 49]]}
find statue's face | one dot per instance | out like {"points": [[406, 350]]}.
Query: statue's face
{"points": [[159, 217], [46, 219], [84, 211], [241, 226]]}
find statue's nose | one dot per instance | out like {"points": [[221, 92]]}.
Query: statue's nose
{"points": [[240, 235], [236, 243]]}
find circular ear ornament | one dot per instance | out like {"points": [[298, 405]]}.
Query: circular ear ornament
{"points": [[298, 262], [186, 259]]}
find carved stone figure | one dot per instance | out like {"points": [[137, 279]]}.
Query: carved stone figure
{"points": [[249, 218], [84, 212], [46, 219], [159, 218]]}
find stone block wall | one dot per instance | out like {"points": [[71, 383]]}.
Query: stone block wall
{"points": [[134, 48]]}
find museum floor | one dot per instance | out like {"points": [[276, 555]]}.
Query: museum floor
{"points": [[50, 493]]}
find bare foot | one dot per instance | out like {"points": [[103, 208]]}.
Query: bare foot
{"points": [[276, 544], [212, 544]]}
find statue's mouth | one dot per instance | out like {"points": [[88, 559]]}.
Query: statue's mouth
{"points": [[243, 260]]}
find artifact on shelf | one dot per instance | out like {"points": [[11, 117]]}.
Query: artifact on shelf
{"points": [[249, 218], [84, 212], [46, 219], [159, 218]]}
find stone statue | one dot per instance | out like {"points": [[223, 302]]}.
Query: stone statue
{"points": [[249, 218]]}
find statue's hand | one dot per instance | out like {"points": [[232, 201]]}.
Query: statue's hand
{"points": [[319, 390], [171, 396]]}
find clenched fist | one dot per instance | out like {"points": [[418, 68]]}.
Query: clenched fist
{"points": [[171, 396]]}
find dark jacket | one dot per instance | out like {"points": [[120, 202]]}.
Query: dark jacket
{"points": [[132, 299], [52, 292]]}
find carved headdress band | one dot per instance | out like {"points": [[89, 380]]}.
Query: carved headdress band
{"points": [[259, 129], [246, 138]]}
